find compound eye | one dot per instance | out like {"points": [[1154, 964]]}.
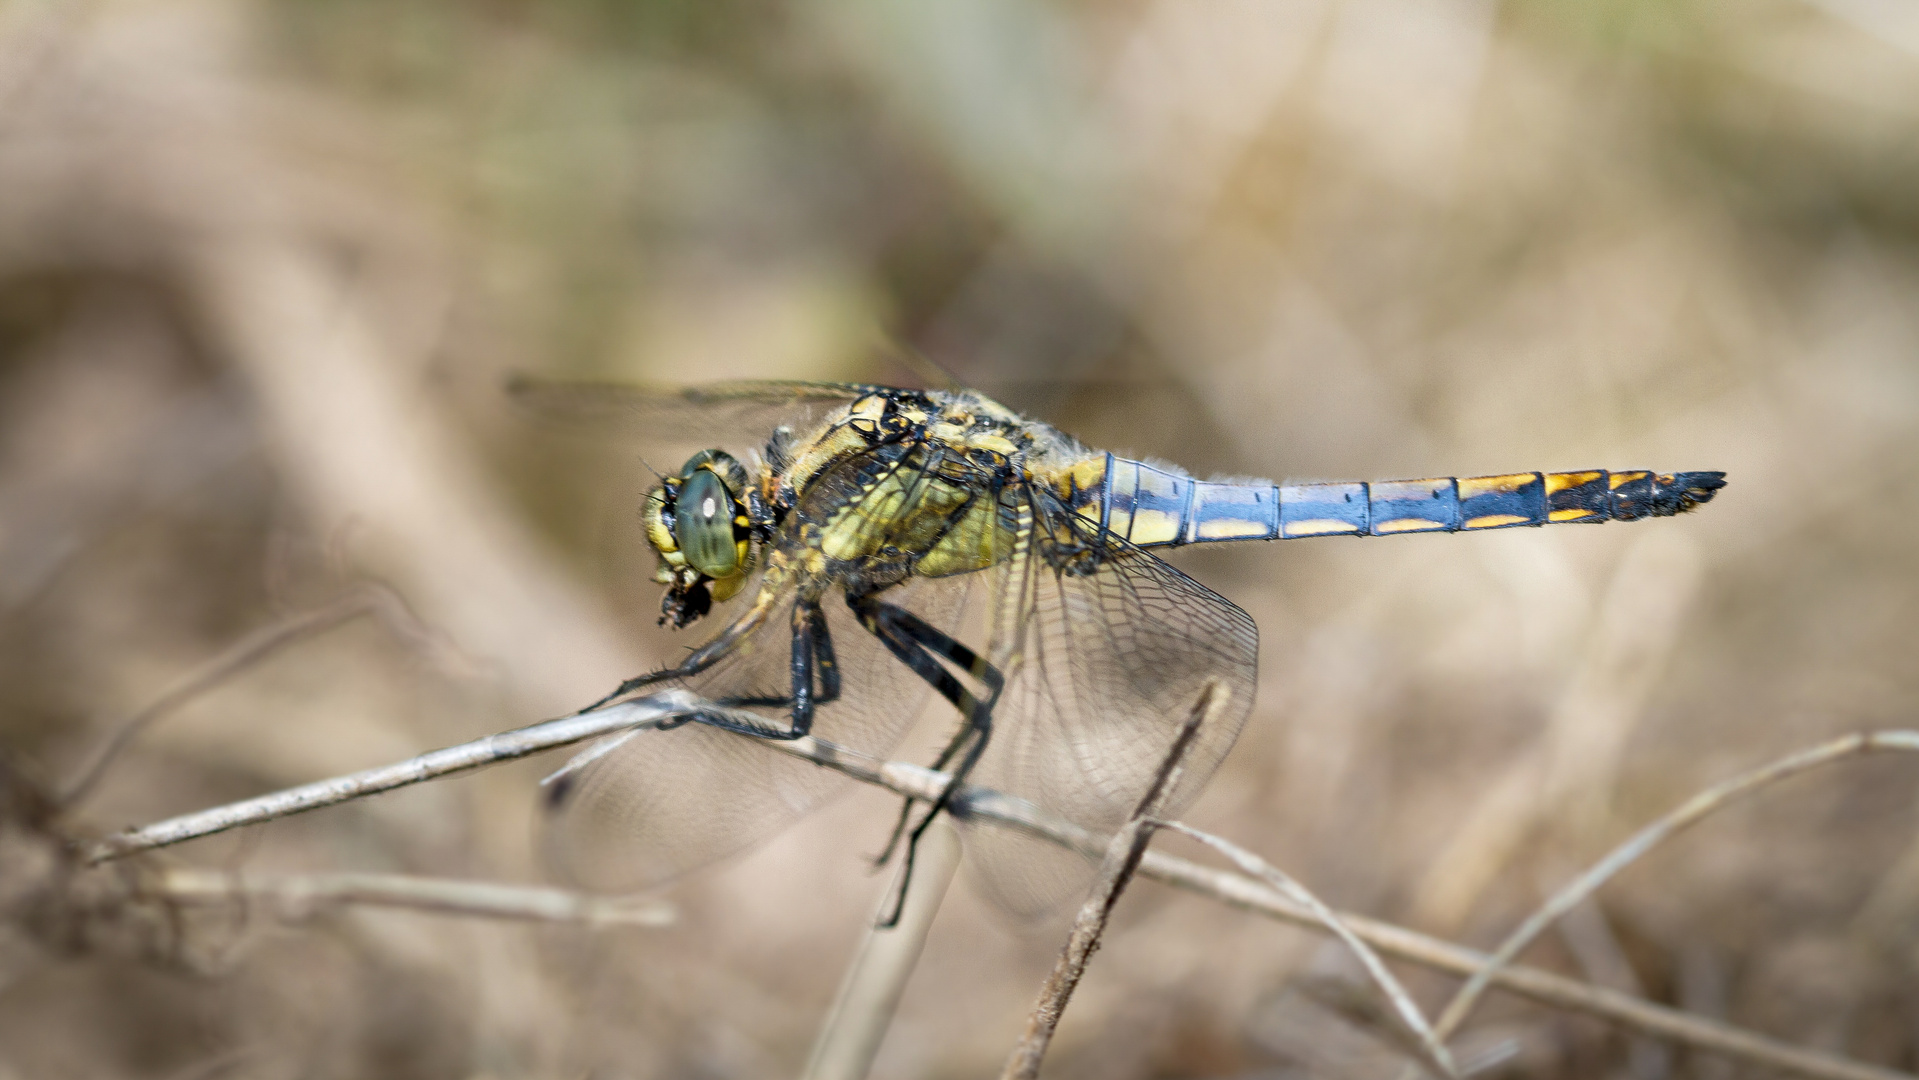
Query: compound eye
{"points": [[703, 524]]}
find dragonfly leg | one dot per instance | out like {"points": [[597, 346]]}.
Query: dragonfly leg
{"points": [[940, 644], [706, 655], [813, 663], [967, 660], [893, 838], [921, 647]]}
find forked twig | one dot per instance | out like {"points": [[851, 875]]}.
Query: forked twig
{"points": [[1122, 857], [1437, 1057], [298, 895], [1645, 840]]}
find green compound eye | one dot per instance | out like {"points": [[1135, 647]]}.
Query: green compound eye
{"points": [[703, 524]]}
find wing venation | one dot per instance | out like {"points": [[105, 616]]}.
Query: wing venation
{"points": [[1106, 650]]}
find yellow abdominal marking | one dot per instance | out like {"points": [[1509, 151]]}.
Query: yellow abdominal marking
{"points": [[1153, 527], [1231, 529], [1085, 474], [1494, 521], [1571, 515], [1558, 482], [1401, 525], [1320, 527], [1471, 486]]}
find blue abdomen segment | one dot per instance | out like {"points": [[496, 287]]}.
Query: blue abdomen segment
{"points": [[1150, 506]]}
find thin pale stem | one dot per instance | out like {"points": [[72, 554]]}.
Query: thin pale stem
{"points": [[506, 746], [1122, 858], [1437, 1058], [870, 994], [298, 895], [1238, 890], [366, 599], [995, 808], [1636, 847]]}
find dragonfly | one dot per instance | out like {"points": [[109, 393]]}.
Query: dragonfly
{"points": [[860, 547]]}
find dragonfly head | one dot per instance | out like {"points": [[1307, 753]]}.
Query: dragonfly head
{"points": [[699, 522]]}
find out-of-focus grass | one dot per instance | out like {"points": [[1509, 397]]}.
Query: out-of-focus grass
{"points": [[263, 267]]}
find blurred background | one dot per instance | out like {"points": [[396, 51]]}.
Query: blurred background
{"points": [[265, 267]]}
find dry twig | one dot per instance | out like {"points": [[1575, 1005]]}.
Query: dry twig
{"points": [[854, 1028], [365, 599], [506, 746], [298, 895], [1645, 840], [1121, 859], [996, 808], [1437, 1057]]}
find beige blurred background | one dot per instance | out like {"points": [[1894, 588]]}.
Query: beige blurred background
{"points": [[265, 266]]}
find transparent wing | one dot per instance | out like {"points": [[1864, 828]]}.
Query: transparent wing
{"points": [[654, 805], [600, 446], [1106, 650], [742, 412], [642, 810]]}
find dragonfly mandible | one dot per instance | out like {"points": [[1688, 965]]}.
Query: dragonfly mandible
{"points": [[834, 553]]}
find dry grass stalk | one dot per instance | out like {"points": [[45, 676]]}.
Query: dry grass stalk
{"points": [[299, 895], [365, 599], [1431, 1046], [1645, 840], [851, 1035], [1237, 890], [492, 750], [1122, 857], [1624, 1010]]}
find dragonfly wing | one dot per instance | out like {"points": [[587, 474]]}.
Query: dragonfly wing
{"points": [[1106, 654], [661, 803], [745, 411], [610, 443]]}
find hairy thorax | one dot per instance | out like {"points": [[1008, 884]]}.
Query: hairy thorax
{"points": [[915, 483]]}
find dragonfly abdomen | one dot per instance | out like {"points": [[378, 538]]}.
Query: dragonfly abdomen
{"points": [[1150, 506]]}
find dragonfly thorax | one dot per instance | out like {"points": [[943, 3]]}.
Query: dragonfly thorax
{"points": [[700, 522]]}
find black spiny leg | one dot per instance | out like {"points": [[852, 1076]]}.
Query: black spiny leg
{"points": [[701, 658], [825, 664], [917, 645], [812, 660], [966, 660]]}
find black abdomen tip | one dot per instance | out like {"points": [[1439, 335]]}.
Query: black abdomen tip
{"points": [[1680, 492]]}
